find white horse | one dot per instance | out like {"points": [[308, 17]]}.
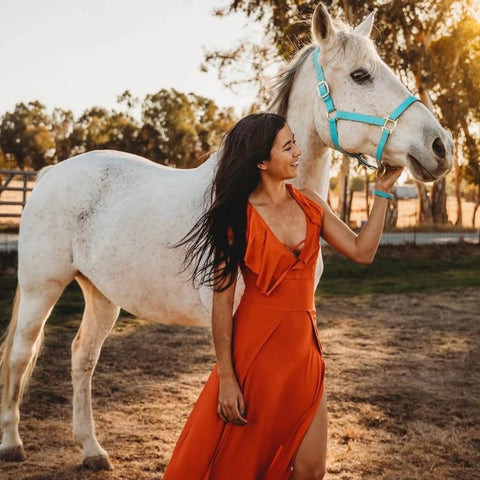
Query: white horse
{"points": [[107, 219]]}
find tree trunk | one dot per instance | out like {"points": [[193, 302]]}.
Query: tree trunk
{"points": [[367, 193], [432, 210], [477, 204], [343, 180], [425, 210], [439, 202], [458, 192], [349, 205], [392, 213]]}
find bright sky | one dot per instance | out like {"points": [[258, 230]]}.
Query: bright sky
{"points": [[75, 54]]}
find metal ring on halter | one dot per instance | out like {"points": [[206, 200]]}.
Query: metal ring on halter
{"points": [[381, 170], [334, 114], [386, 125]]}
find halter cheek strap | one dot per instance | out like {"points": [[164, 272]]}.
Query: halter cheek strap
{"points": [[387, 124]]}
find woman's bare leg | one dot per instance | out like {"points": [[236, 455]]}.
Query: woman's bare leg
{"points": [[311, 456]]}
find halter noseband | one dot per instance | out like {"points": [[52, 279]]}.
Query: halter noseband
{"points": [[387, 124]]}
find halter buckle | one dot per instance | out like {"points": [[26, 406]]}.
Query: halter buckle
{"points": [[321, 84], [389, 125]]}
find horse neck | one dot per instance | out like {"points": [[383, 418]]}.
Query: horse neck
{"points": [[315, 161]]}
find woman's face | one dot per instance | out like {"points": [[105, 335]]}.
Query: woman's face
{"points": [[283, 162]]}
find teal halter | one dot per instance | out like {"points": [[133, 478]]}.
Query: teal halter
{"points": [[387, 124]]}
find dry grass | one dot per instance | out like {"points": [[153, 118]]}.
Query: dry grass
{"points": [[403, 388], [408, 211]]}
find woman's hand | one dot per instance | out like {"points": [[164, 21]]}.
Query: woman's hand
{"points": [[387, 180], [231, 407]]}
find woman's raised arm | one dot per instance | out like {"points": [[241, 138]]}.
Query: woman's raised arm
{"points": [[360, 248]]}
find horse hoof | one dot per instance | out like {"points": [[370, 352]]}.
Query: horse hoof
{"points": [[13, 454], [97, 463]]}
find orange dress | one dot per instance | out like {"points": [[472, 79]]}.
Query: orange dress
{"points": [[277, 359]]}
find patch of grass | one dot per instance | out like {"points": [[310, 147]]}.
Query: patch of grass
{"points": [[387, 274], [402, 269], [68, 309], [70, 306]]}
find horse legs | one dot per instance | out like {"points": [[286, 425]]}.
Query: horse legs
{"points": [[20, 350], [98, 319]]}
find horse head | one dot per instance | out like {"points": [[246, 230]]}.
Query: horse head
{"points": [[358, 95]]}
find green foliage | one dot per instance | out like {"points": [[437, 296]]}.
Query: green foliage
{"points": [[26, 136], [177, 129], [333, 183], [181, 128], [357, 184], [434, 47]]}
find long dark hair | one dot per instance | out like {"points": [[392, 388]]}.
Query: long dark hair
{"points": [[215, 246]]}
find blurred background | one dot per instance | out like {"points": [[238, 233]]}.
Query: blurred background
{"points": [[165, 80]]}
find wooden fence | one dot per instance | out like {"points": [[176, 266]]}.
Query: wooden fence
{"points": [[7, 184]]}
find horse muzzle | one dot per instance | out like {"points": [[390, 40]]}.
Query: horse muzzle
{"points": [[436, 165]]}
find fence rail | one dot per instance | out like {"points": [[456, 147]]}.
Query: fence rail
{"points": [[6, 178]]}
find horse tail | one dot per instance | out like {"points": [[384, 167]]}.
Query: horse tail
{"points": [[6, 347], [5, 352]]}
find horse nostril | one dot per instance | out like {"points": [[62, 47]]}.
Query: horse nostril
{"points": [[439, 148]]}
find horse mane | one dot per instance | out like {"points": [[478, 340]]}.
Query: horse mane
{"points": [[283, 82]]}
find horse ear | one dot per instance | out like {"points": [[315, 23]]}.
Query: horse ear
{"points": [[365, 28], [322, 25]]}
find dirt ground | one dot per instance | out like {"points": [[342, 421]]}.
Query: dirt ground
{"points": [[403, 389]]}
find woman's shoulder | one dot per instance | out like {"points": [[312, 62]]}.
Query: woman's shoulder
{"points": [[310, 195], [312, 203], [313, 196]]}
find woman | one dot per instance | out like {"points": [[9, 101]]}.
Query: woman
{"points": [[262, 413]]}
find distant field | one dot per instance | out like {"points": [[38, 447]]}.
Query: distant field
{"points": [[408, 211]]}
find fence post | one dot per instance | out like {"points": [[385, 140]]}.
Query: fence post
{"points": [[24, 196]]}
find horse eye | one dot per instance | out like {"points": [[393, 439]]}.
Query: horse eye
{"points": [[360, 76]]}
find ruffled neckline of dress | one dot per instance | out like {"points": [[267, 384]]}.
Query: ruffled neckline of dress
{"points": [[271, 259]]}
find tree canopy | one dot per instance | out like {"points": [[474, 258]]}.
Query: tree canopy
{"points": [[175, 128], [434, 46]]}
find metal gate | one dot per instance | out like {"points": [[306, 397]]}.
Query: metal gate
{"points": [[6, 177]]}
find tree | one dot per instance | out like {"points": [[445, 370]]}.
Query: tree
{"points": [[100, 129], [63, 125], [460, 106], [39, 146], [412, 41], [472, 169], [180, 128], [25, 135]]}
